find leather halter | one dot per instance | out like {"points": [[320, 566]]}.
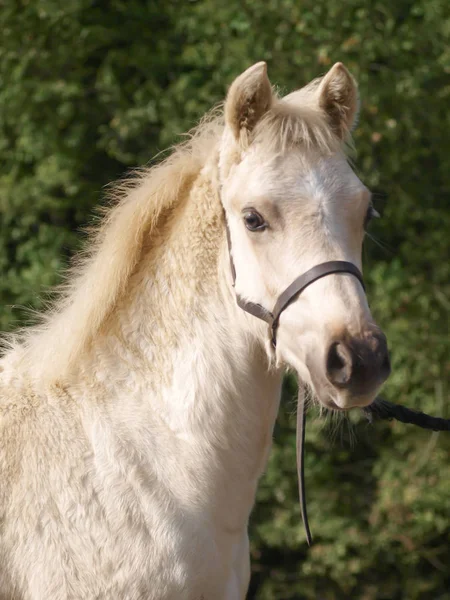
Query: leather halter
{"points": [[272, 318], [292, 291]]}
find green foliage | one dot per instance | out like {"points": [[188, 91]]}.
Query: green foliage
{"points": [[91, 88]]}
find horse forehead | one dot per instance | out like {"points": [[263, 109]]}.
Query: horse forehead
{"points": [[329, 178], [291, 176]]}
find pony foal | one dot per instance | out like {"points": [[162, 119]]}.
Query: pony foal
{"points": [[136, 420]]}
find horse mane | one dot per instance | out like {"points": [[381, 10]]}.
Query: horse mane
{"points": [[99, 276]]}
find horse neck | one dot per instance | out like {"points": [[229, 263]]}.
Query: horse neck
{"points": [[181, 355]]}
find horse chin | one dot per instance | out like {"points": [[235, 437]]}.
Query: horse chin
{"points": [[342, 401]]}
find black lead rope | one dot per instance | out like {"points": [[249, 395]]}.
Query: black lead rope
{"points": [[379, 409], [382, 409]]}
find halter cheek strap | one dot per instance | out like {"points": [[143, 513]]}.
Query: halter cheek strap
{"points": [[252, 308]]}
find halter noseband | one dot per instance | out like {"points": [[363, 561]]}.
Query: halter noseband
{"points": [[292, 291]]}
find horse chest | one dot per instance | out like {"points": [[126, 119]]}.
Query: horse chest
{"points": [[165, 536], [128, 545]]}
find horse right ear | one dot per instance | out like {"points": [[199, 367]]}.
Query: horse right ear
{"points": [[338, 97], [248, 99]]}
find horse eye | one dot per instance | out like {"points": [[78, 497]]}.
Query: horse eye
{"points": [[370, 214], [254, 221]]}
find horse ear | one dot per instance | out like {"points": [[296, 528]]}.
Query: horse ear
{"points": [[249, 97], [338, 97]]}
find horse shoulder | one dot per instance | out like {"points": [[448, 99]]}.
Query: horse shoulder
{"points": [[37, 452], [16, 408]]}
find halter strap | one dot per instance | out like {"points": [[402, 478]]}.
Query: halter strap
{"points": [[292, 291], [303, 281], [252, 308]]}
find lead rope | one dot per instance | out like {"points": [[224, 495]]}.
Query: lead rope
{"points": [[300, 446], [382, 409], [379, 409]]}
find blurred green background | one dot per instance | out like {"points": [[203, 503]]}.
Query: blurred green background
{"points": [[89, 89]]}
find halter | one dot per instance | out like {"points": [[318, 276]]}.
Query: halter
{"points": [[292, 291], [273, 318]]}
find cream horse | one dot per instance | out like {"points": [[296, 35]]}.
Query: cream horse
{"points": [[137, 418]]}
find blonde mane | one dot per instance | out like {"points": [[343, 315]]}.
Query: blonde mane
{"points": [[99, 277]]}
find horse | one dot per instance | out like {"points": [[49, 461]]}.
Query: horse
{"points": [[136, 417]]}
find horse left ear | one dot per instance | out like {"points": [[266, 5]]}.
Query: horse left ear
{"points": [[249, 98], [338, 98]]}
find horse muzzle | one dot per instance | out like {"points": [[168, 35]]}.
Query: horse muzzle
{"points": [[357, 366]]}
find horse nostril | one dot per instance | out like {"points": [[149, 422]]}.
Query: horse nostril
{"points": [[339, 364], [360, 364]]}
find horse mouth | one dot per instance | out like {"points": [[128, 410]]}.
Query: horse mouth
{"points": [[343, 403]]}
